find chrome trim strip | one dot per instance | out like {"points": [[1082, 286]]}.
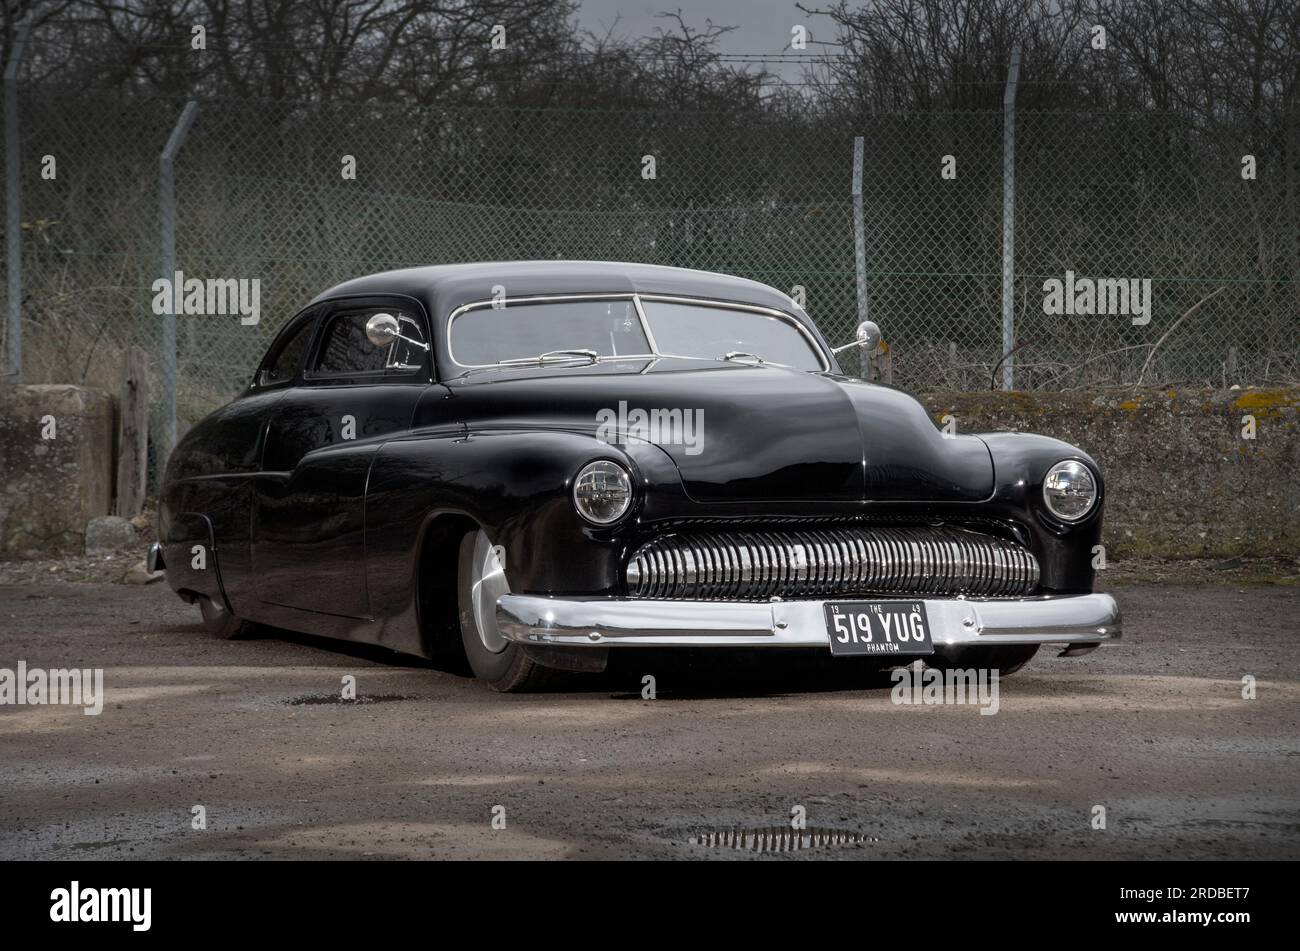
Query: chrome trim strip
{"points": [[640, 312], [604, 622]]}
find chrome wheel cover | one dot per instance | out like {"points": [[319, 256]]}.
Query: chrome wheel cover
{"points": [[487, 583]]}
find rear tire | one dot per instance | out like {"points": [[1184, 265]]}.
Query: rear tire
{"points": [[221, 622], [1005, 658], [500, 664]]}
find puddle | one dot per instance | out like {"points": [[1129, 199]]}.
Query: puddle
{"points": [[777, 839], [314, 700]]}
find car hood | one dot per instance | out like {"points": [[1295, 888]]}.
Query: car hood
{"points": [[739, 432]]}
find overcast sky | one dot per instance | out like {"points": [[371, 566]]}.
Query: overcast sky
{"points": [[762, 26]]}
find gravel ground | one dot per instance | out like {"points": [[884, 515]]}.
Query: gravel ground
{"points": [[1154, 729]]}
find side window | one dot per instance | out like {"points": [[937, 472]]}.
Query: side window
{"points": [[345, 350], [282, 365]]}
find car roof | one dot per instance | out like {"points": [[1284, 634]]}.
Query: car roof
{"points": [[442, 288]]}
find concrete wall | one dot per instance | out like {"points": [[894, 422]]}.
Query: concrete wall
{"points": [[1181, 479], [51, 487]]}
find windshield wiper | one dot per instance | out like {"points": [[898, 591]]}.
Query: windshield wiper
{"points": [[744, 355], [552, 356]]}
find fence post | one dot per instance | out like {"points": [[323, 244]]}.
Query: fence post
{"points": [[133, 435], [860, 244], [167, 210], [859, 235], [1009, 223], [14, 209]]}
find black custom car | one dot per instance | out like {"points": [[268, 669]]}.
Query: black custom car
{"points": [[525, 465]]}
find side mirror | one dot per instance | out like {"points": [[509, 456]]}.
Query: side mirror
{"points": [[382, 329], [866, 338]]}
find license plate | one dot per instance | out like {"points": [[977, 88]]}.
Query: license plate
{"points": [[861, 628]]}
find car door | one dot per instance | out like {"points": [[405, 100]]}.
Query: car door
{"points": [[308, 548], [215, 472]]}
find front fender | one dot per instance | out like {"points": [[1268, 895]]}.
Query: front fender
{"points": [[1065, 551], [515, 484]]}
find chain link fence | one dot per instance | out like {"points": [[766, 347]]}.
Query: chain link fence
{"points": [[260, 193]]}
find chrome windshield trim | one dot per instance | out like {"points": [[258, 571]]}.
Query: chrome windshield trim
{"points": [[645, 323], [636, 299]]}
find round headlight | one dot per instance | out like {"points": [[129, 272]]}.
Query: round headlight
{"points": [[1070, 491], [602, 492]]}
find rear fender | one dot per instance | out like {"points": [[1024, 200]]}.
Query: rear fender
{"points": [[189, 552]]}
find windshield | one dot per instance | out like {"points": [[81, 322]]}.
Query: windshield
{"points": [[697, 330], [491, 335], [590, 330]]}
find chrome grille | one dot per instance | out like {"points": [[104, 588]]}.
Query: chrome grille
{"points": [[755, 565]]}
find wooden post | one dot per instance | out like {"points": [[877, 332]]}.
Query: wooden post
{"points": [[881, 365], [133, 436]]}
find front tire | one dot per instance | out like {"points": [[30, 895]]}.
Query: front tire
{"points": [[497, 662], [1005, 658]]}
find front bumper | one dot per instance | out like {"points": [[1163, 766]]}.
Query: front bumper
{"points": [[1075, 620]]}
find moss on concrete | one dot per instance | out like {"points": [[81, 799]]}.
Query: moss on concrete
{"points": [[1182, 479]]}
